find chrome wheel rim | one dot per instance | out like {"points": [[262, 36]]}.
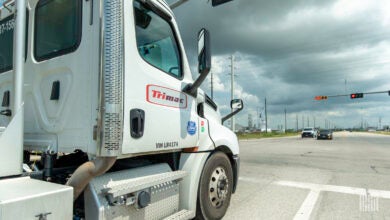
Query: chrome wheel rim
{"points": [[218, 187]]}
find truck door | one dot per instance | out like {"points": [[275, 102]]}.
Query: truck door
{"points": [[157, 114]]}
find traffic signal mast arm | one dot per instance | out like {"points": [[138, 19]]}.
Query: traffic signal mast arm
{"points": [[352, 95]]}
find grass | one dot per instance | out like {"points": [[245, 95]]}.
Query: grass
{"points": [[383, 132], [258, 135]]}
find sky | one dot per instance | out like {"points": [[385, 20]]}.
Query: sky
{"points": [[288, 52]]}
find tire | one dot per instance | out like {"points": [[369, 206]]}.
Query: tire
{"points": [[217, 173]]}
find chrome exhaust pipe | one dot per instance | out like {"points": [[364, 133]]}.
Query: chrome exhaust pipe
{"points": [[84, 173]]}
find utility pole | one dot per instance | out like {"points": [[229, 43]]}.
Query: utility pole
{"points": [[232, 88], [314, 121], [285, 120], [296, 119], [212, 83], [266, 117], [258, 118], [345, 87], [303, 121]]}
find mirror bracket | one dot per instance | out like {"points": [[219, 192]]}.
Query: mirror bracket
{"points": [[241, 106]]}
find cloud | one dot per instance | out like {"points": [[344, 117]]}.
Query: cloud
{"points": [[291, 51]]}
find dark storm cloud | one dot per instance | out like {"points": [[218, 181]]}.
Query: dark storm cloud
{"points": [[291, 51], [254, 27]]}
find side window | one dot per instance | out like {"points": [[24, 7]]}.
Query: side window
{"points": [[7, 26], [156, 41], [57, 28]]}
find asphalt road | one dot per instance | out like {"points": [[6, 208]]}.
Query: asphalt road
{"points": [[294, 178]]}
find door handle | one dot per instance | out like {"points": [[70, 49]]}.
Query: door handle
{"points": [[55, 90], [137, 122]]}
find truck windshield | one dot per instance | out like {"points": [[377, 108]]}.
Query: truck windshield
{"points": [[6, 43]]}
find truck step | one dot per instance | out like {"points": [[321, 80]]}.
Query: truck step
{"points": [[181, 215], [135, 184]]}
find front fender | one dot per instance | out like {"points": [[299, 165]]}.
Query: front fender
{"points": [[227, 141], [222, 136]]}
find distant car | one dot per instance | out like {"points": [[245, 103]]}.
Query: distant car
{"points": [[309, 132], [325, 134]]}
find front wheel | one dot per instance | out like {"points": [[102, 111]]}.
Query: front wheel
{"points": [[215, 187]]}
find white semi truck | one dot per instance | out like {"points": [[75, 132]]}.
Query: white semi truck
{"points": [[100, 117]]}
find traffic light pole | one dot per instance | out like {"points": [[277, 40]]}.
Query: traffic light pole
{"points": [[358, 95]]}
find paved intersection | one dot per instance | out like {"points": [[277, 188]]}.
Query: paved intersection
{"points": [[294, 178]]}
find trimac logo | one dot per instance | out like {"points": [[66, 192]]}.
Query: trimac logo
{"points": [[166, 97], [163, 96]]}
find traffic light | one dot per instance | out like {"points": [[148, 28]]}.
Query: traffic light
{"points": [[356, 95], [320, 97]]}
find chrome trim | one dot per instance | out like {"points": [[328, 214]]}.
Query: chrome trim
{"points": [[111, 78]]}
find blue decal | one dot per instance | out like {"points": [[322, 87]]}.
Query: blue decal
{"points": [[191, 127]]}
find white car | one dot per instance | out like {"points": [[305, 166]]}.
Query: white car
{"points": [[309, 132]]}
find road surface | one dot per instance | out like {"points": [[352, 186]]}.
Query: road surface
{"points": [[294, 178]]}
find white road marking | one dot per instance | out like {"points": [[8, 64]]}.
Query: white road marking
{"points": [[307, 206], [339, 189]]}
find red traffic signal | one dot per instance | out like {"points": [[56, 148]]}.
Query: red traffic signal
{"points": [[356, 95], [320, 97]]}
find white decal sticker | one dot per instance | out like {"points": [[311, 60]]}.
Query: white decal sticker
{"points": [[7, 26]]}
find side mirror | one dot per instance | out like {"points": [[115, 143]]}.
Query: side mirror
{"points": [[237, 105], [142, 19], [204, 54], [219, 2], [204, 61]]}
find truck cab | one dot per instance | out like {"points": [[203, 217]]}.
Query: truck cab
{"points": [[107, 85]]}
